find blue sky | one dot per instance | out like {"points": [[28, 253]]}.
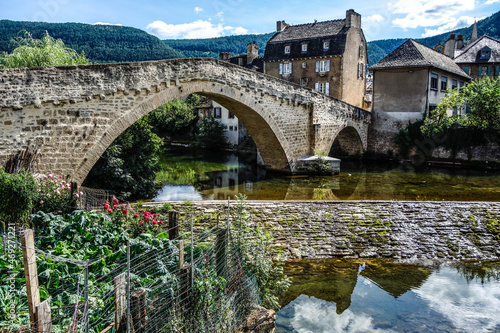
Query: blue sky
{"points": [[213, 18]]}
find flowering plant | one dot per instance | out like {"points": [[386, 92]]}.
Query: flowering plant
{"points": [[54, 194]]}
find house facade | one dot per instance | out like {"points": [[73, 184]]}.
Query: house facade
{"points": [[412, 79], [329, 57], [208, 108], [480, 58]]}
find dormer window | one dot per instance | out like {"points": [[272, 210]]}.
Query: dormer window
{"points": [[287, 49], [326, 45], [485, 53], [304, 47]]}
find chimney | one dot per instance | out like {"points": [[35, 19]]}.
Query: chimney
{"points": [[252, 52], [352, 19], [280, 26], [225, 56], [460, 42], [450, 45]]}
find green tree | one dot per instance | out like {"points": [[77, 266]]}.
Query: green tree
{"points": [[47, 51], [211, 134], [176, 118], [128, 167]]}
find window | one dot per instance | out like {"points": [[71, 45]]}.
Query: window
{"points": [[286, 68], [322, 66], [323, 87], [444, 83], [454, 84], [217, 112], [461, 84], [304, 47], [230, 115], [232, 184], [360, 70], [466, 69], [303, 81], [361, 51], [485, 53], [439, 49], [230, 128], [304, 65], [235, 128], [484, 70], [434, 81], [287, 49], [326, 45]]}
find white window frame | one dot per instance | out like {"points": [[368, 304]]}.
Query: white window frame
{"points": [[322, 87], [287, 49], [322, 66], [326, 45], [304, 65], [286, 68], [304, 47], [303, 81]]}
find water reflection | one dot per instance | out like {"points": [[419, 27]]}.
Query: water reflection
{"points": [[351, 295], [212, 176]]}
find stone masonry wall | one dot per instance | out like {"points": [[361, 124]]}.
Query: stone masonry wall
{"points": [[76, 112], [401, 230]]}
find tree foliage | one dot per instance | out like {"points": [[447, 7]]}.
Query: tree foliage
{"points": [[211, 134], [46, 51], [176, 118], [128, 167]]}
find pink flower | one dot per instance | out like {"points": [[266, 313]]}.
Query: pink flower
{"points": [[115, 206], [77, 195], [41, 202], [135, 215], [60, 176], [106, 206], [110, 210], [154, 222], [141, 223]]}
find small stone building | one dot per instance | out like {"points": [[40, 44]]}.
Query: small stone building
{"points": [[481, 58], [329, 57], [411, 80]]}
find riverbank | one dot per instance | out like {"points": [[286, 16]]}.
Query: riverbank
{"points": [[416, 230]]}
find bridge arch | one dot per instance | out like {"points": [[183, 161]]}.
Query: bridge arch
{"points": [[348, 141]]}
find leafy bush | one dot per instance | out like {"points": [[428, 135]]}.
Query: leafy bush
{"points": [[47, 51], [54, 194], [211, 134], [18, 193], [254, 246]]}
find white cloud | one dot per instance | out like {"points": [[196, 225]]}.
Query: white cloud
{"points": [[428, 13], [490, 2], [373, 18], [198, 10], [219, 14], [197, 29], [464, 21], [104, 23]]}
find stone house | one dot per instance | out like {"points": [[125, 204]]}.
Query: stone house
{"points": [[480, 58], [411, 80], [329, 57]]}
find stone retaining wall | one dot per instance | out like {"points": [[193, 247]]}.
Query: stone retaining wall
{"points": [[401, 230]]}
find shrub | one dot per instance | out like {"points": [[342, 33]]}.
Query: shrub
{"points": [[54, 194]]}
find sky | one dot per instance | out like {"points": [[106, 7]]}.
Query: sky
{"points": [[170, 19]]}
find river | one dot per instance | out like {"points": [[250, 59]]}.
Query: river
{"points": [[189, 174]]}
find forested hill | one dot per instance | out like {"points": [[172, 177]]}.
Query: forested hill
{"points": [[489, 26], [101, 43], [211, 47]]}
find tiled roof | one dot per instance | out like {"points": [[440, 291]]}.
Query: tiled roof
{"points": [[413, 54], [205, 103], [314, 34], [471, 53], [309, 30]]}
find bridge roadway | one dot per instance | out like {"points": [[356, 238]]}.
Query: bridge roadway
{"points": [[75, 112]]}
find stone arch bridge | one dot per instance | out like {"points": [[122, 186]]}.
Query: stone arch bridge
{"points": [[76, 112]]}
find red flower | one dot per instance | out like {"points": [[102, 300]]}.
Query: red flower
{"points": [[124, 212], [106, 206], [115, 206], [154, 222], [110, 210], [141, 223], [161, 222], [135, 215]]}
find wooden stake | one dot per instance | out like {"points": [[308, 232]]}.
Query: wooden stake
{"points": [[44, 317], [30, 274], [173, 225], [138, 310], [181, 253], [120, 285]]}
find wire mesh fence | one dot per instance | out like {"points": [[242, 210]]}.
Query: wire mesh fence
{"points": [[185, 279]]}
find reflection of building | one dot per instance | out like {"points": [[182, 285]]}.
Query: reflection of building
{"points": [[329, 57], [412, 79], [209, 108]]}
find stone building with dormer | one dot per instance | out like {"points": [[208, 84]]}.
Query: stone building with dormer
{"points": [[329, 57]]}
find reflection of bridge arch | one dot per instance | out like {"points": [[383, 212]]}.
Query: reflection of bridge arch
{"points": [[347, 142], [76, 112]]}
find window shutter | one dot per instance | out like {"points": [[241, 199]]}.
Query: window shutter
{"points": [[328, 65], [497, 70], [317, 67], [316, 86], [327, 89], [281, 68], [489, 71], [480, 70], [359, 70], [289, 68]]}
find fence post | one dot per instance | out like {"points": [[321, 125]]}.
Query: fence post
{"points": [[220, 251], [128, 287], [44, 317], [185, 285], [173, 225], [192, 252], [30, 274], [138, 310], [119, 283], [181, 253]]}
